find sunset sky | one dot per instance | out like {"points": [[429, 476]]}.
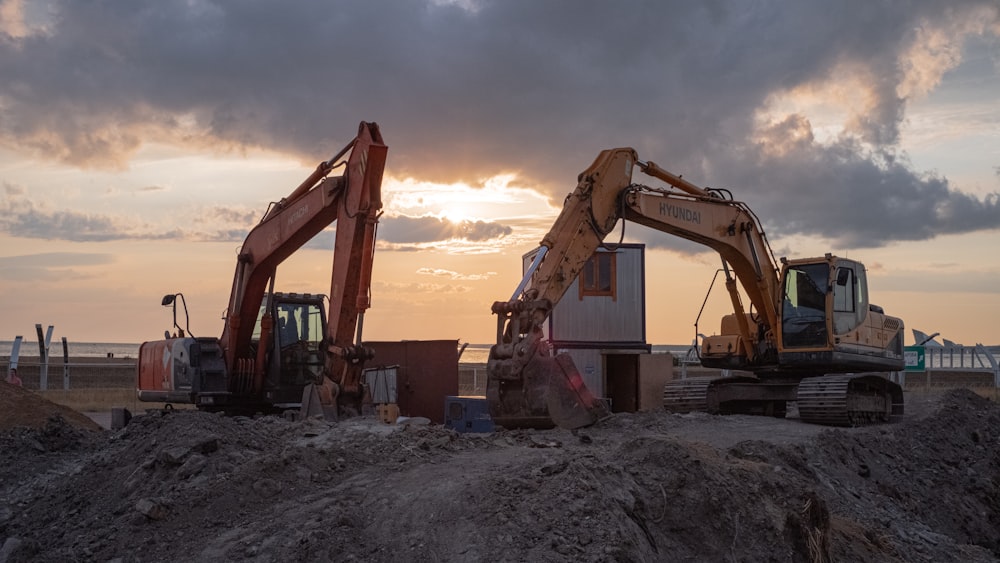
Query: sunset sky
{"points": [[141, 140]]}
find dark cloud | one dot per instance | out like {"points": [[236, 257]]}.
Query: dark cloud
{"points": [[13, 190], [533, 87], [243, 217], [403, 229], [24, 218], [858, 199], [221, 235]]}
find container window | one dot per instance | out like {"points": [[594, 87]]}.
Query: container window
{"points": [[598, 277]]}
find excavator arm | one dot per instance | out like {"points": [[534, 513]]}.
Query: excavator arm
{"points": [[353, 201], [732, 230], [526, 386]]}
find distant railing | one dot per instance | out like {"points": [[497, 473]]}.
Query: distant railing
{"points": [[962, 358], [959, 357], [951, 365]]}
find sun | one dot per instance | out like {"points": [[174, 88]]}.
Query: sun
{"points": [[456, 214]]}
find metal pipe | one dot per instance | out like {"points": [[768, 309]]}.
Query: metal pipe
{"points": [[322, 169], [361, 325], [542, 250], [651, 169]]}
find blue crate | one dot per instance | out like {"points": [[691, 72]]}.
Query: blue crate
{"points": [[467, 414]]}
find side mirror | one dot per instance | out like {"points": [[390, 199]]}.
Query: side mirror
{"points": [[171, 300]]}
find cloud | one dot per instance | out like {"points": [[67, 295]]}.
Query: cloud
{"points": [[12, 18], [25, 218], [401, 233], [429, 288], [51, 266], [857, 198], [453, 275], [15, 190], [466, 90], [245, 218], [403, 229]]}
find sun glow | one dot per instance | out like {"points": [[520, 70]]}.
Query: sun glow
{"points": [[456, 214], [497, 197]]}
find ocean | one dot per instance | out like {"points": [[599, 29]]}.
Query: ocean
{"points": [[29, 347], [473, 354]]}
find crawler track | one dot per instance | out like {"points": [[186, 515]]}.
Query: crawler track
{"points": [[848, 400], [832, 400], [687, 395]]}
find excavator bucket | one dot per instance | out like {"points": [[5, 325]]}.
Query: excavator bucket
{"points": [[311, 404], [550, 392], [317, 402]]}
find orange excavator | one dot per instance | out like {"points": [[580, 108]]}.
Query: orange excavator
{"points": [[810, 334], [274, 346]]}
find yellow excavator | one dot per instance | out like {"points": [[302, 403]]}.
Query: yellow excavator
{"points": [[809, 336]]}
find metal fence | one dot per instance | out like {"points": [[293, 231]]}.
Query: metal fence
{"points": [[74, 375], [472, 380]]}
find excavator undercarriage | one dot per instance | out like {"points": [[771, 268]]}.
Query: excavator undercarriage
{"points": [[832, 400]]}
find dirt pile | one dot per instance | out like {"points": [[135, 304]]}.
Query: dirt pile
{"points": [[642, 487], [21, 407]]}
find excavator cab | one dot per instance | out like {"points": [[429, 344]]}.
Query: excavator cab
{"points": [[295, 351], [803, 312], [828, 323]]}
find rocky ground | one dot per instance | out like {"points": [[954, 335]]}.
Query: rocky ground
{"points": [[191, 486]]}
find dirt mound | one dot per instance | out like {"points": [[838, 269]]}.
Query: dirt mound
{"points": [[21, 407], [639, 487]]}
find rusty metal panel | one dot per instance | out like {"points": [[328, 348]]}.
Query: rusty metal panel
{"points": [[427, 373]]}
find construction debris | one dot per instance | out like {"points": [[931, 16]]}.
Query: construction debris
{"points": [[194, 486]]}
